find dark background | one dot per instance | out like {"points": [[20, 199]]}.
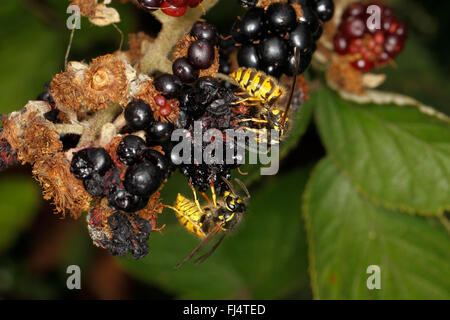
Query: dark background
{"points": [[36, 246]]}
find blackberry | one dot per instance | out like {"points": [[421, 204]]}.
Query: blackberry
{"points": [[309, 16], [160, 131], [95, 185], [324, 9], [52, 115], [305, 60], [142, 179], [281, 17], [367, 46], [248, 56], [273, 51], [224, 66], [248, 3], [168, 84], [201, 54], [131, 149], [274, 70], [190, 103], [160, 161], [204, 31], [89, 161], [8, 156], [121, 199], [138, 115], [184, 70], [46, 96], [129, 234], [301, 38], [250, 27]]}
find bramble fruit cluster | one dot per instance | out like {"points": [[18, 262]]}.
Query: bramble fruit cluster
{"points": [[268, 36], [366, 44], [174, 8]]}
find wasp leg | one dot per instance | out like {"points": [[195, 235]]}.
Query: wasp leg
{"points": [[214, 197], [247, 99], [249, 119], [195, 197], [206, 197]]}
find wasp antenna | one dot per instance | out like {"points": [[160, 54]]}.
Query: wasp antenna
{"points": [[211, 251], [230, 186], [242, 185], [199, 247], [294, 81]]}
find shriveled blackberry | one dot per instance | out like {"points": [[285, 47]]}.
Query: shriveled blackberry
{"points": [[130, 234], [89, 161], [131, 149]]}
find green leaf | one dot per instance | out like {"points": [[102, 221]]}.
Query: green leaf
{"points": [[347, 233], [19, 200], [397, 156], [265, 258]]}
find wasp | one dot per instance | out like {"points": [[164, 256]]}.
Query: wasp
{"points": [[265, 92], [218, 215]]}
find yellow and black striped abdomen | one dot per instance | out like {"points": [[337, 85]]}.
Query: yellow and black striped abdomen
{"points": [[189, 215], [258, 84]]}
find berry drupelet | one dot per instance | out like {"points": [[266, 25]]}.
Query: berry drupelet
{"points": [[367, 45], [88, 161], [131, 149], [267, 36], [138, 115]]}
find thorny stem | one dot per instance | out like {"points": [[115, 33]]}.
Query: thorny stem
{"points": [[173, 29]]}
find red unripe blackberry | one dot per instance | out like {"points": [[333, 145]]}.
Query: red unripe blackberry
{"points": [[353, 27], [173, 11], [177, 3]]}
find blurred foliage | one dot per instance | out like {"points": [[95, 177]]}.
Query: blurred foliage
{"points": [[268, 257]]}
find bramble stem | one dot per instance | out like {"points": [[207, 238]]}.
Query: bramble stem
{"points": [[173, 29]]}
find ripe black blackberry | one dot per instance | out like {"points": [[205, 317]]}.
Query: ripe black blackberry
{"points": [[88, 161], [201, 54], [184, 70], [204, 31], [160, 161], [168, 84], [142, 179], [138, 115], [121, 199], [269, 46], [130, 149], [159, 132]]}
